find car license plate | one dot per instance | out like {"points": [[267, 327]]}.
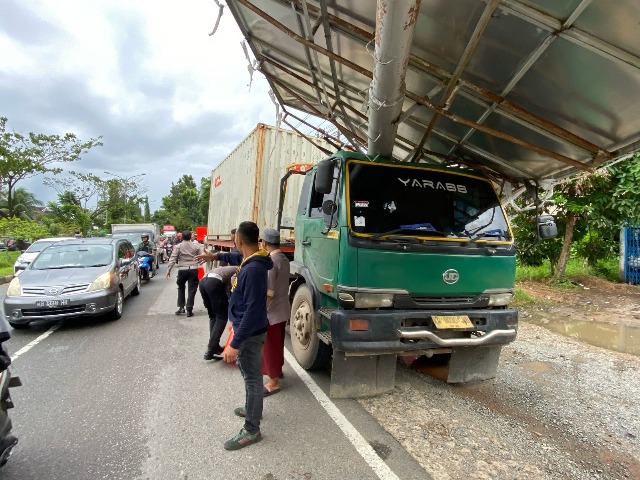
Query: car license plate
{"points": [[52, 303], [453, 321]]}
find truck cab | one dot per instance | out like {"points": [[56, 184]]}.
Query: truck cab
{"points": [[394, 258]]}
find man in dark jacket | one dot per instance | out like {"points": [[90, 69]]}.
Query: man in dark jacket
{"points": [[248, 315]]}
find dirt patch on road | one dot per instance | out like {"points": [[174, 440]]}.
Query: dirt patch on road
{"points": [[560, 407], [588, 299]]}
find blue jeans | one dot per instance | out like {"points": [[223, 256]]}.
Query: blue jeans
{"points": [[250, 364]]}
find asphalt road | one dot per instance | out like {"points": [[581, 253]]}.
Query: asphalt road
{"points": [[133, 399]]}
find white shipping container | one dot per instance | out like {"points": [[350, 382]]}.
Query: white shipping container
{"points": [[246, 184]]}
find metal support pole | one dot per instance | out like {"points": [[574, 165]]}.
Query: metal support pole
{"points": [[396, 20]]}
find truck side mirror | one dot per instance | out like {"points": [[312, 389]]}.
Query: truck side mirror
{"points": [[547, 227], [324, 177], [329, 207]]}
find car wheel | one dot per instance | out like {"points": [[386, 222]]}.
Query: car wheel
{"points": [[19, 326], [136, 289], [116, 313]]}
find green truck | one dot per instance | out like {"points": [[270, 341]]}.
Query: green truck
{"points": [[414, 257], [400, 259]]}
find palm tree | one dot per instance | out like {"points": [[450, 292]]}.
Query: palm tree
{"points": [[24, 204]]}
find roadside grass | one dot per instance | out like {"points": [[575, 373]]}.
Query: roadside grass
{"points": [[523, 299], [7, 259], [576, 268]]}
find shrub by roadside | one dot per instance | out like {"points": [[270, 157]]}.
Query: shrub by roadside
{"points": [[7, 259]]}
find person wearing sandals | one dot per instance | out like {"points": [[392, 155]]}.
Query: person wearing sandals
{"points": [[278, 311], [248, 315]]}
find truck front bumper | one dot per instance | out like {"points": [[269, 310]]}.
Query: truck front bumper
{"points": [[413, 331]]}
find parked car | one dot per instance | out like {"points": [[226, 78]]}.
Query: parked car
{"points": [[74, 278], [32, 252], [13, 245]]}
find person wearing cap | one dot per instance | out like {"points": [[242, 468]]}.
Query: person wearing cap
{"points": [[214, 288], [183, 258], [278, 311]]}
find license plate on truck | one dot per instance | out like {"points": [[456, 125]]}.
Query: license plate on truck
{"points": [[453, 321]]}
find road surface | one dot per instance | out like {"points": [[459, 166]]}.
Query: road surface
{"points": [[134, 399]]}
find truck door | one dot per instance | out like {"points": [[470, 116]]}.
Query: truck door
{"points": [[316, 234]]}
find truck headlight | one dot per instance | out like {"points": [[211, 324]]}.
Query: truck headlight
{"points": [[14, 288], [101, 283], [373, 300], [500, 299]]}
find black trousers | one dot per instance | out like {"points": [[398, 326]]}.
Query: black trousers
{"points": [[187, 278], [214, 297]]}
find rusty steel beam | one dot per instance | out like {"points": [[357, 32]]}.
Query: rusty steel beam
{"points": [[330, 139], [449, 93], [347, 63], [437, 72], [318, 113]]}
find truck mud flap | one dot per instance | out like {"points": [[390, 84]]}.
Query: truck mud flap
{"points": [[361, 376], [473, 363]]}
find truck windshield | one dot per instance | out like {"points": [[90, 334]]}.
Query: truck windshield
{"points": [[391, 202]]}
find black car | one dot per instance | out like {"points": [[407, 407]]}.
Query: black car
{"points": [[72, 278]]}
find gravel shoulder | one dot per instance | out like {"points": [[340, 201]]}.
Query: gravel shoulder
{"points": [[560, 408]]}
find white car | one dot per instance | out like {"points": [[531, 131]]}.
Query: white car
{"points": [[33, 251]]}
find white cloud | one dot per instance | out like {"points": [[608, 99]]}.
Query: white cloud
{"points": [[144, 75]]}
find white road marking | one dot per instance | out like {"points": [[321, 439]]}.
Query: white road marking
{"points": [[33, 343], [357, 440]]}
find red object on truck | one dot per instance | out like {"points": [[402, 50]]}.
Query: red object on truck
{"points": [[201, 233]]}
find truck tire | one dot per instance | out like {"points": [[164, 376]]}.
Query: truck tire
{"points": [[310, 352]]}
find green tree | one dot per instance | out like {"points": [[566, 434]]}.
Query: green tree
{"points": [[205, 191], [22, 229], [589, 212], [147, 211], [182, 205], [67, 214], [25, 156], [24, 205], [86, 190]]}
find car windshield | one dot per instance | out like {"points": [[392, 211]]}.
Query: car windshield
{"points": [[389, 201], [73, 256], [39, 246]]}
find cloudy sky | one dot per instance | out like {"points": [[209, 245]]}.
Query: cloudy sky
{"points": [[166, 98]]}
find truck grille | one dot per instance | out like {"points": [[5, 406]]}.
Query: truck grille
{"points": [[462, 300]]}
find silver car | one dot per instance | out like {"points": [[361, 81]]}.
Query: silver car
{"points": [[73, 278]]}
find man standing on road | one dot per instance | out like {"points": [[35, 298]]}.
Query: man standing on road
{"points": [[183, 257], [278, 311], [248, 314]]}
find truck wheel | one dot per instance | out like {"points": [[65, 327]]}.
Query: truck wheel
{"points": [[310, 352]]}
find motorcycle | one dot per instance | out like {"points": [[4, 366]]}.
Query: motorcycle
{"points": [[7, 381], [145, 269]]}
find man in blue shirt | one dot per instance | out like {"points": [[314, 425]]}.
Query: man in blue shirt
{"points": [[248, 315]]}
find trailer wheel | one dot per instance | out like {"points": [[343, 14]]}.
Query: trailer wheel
{"points": [[310, 352]]}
